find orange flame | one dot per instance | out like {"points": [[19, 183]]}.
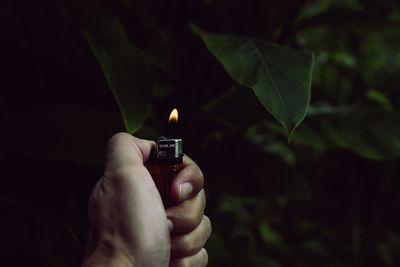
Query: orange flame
{"points": [[173, 117]]}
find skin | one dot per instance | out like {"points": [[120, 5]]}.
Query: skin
{"points": [[129, 225]]}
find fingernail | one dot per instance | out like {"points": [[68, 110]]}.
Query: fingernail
{"points": [[170, 225], [185, 190]]}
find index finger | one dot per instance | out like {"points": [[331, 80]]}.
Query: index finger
{"points": [[188, 182]]}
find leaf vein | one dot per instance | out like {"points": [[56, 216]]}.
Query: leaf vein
{"points": [[269, 73]]}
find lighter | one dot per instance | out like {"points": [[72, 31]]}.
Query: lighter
{"points": [[165, 162]]}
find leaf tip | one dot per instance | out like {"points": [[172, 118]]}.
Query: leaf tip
{"points": [[194, 28], [290, 130], [197, 30]]}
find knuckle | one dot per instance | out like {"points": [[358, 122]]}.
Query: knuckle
{"points": [[204, 257], [184, 246], [190, 245], [117, 138], [194, 218], [195, 172], [190, 216], [208, 226], [181, 263], [203, 198], [186, 263], [200, 176], [200, 259]]}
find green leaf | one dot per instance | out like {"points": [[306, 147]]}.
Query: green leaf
{"points": [[279, 76], [369, 132], [380, 98], [269, 235], [125, 67]]}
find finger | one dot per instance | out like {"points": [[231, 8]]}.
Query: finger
{"points": [[188, 182], [198, 260], [125, 152], [187, 215], [191, 243]]}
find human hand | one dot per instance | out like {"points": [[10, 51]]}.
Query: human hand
{"points": [[190, 227], [129, 225]]}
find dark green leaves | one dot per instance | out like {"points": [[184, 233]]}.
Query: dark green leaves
{"points": [[370, 132], [279, 76], [126, 69]]}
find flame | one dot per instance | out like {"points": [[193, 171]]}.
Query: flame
{"points": [[173, 117]]}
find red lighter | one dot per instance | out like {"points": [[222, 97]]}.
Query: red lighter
{"points": [[164, 163]]}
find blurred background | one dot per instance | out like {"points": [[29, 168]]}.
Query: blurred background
{"points": [[329, 198]]}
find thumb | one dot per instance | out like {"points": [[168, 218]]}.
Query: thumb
{"points": [[125, 151], [136, 207]]}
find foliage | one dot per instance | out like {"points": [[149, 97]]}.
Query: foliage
{"points": [[280, 77], [329, 198]]}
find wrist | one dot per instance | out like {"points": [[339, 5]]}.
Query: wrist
{"points": [[108, 253]]}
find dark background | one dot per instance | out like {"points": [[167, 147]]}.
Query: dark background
{"points": [[329, 198]]}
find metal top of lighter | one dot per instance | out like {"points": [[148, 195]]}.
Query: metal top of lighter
{"points": [[168, 151]]}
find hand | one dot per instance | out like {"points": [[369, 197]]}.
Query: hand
{"points": [[129, 225], [190, 227]]}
